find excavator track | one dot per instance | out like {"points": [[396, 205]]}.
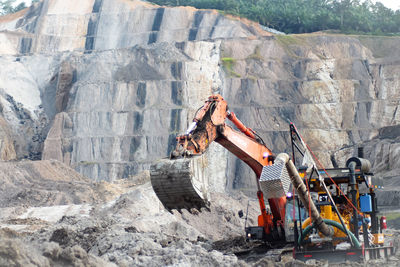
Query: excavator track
{"points": [[180, 183]]}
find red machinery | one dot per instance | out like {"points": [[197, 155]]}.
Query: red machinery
{"points": [[209, 125]]}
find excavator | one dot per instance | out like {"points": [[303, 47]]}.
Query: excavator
{"points": [[172, 180], [309, 206]]}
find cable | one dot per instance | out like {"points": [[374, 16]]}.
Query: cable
{"points": [[260, 139], [198, 111]]}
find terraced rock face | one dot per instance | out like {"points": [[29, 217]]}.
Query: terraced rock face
{"points": [[104, 86], [341, 92], [55, 25], [126, 106]]}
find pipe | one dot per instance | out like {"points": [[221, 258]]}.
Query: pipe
{"points": [[353, 192], [364, 165], [302, 191], [361, 163], [308, 229], [374, 218], [247, 131], [360, 153]]}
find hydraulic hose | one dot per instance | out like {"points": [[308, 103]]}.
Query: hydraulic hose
{"points": [[302, 191], [308, 229]]}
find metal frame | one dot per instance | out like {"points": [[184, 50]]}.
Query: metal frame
{"points": [[339, 256], [337, 174]]}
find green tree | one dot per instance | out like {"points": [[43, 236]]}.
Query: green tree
{"points": [[19, 7], [299, 16], [7, 7]]}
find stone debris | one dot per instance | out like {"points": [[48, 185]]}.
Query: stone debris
{"points": [[131, 228]]}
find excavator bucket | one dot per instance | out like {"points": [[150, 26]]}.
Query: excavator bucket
{"points": [[180, 183]]}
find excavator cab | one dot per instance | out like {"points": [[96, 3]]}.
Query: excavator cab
{"points": [[295, 213]]}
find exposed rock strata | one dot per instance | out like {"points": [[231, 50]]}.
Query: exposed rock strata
{"points": [[116, 89], [105, 85]]}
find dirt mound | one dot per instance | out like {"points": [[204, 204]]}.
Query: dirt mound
{"points": [[222, 220], [48, 182], [133, 229]]}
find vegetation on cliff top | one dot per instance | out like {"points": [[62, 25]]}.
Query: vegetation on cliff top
{"points": [[11, 6], [302, 16], [8, 6]]}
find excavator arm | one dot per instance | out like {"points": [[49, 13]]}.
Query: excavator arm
{"points": [[209, 125]]}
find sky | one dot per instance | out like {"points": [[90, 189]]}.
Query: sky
{"points": [[393, 4]]}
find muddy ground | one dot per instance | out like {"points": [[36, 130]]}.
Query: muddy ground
{"points": [[52, 216]]}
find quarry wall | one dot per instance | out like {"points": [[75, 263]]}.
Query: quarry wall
{"points": [[104, 86]]}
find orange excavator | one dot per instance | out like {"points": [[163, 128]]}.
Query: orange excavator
{"points": [[317, 215], [172, 180]]}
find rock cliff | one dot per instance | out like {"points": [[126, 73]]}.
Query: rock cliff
{"points": [[105, 85], [102, 87]]}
